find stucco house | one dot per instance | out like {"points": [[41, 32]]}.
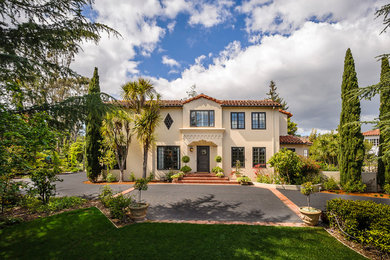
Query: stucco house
{"points": [[203, 127], [372, 136]]}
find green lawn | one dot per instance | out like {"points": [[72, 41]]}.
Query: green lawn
{"points": [[88, 234]]}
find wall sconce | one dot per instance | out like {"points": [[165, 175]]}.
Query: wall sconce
{"points": [[191, 149]]}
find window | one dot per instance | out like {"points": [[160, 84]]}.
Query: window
{"points": [[238, 154], [237, 120], [291, 149], [168, 121], [259, 157], [202, 118], [168, 158], [306, 153], [258, 120]]}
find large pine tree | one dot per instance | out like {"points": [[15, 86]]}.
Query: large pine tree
{"points": [[93, 136], [384, 110], [351, 153], [274, 96]]}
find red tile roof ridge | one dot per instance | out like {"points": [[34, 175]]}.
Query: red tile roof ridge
{"points": [[372, 132], [285, 112], [291, 139]]}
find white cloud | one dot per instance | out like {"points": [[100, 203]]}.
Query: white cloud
{"points": [[171, 26], [169, 61], [210, 14], [307, 67]]}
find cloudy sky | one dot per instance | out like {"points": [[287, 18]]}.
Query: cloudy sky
{"points": [[232, 49]]}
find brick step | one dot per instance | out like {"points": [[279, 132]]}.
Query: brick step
{"points": [[208, 181], [200, 175], [204, 178]]}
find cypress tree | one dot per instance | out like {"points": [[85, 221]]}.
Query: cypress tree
{"points": [[93, 136], [384, 110], [351, 153]]}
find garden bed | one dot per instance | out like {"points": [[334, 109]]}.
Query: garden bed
{"points": [[366, 194], [280, 186]]}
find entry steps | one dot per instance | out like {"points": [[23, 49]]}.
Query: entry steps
{"points": [[205, 178]]}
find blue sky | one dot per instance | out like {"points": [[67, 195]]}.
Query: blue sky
{"points": [[232, 49]]}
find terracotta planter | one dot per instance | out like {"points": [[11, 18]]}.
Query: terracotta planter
{"points": [[175, 180], [138, 213], [310, 217]]}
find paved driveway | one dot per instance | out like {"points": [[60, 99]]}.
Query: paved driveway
{"points": [[72, 185], [215, 202], [318, 200]]}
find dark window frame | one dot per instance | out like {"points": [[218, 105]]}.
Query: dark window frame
{"points": [[291, 149], [210, 124], [265, 120], [264, 165], [158, 157], [242, 162], [231, 120]]}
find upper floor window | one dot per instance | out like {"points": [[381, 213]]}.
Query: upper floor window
{"points": [[258, 120], [202, 118], [237, 120]]}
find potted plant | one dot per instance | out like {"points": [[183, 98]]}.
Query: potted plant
{"points": [[138, 209], [186, 169], [309, 215], [244, 180], [176, 177]]}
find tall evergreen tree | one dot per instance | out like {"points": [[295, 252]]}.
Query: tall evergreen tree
{"points": [[384, 138], [274, 96], [93, 136], [351, 153]]}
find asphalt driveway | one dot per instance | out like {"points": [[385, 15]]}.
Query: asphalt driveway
{"points": [[318, 200], [215, 203]]}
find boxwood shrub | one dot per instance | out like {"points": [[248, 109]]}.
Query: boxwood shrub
{"points": [[368, 222]]}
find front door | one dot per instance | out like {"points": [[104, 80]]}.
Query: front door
{"points": [[203, 157]]}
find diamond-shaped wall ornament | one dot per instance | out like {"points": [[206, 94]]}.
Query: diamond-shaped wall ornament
{"points": [[168, 121]]}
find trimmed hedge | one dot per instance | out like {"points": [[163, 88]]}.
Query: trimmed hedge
{"points": [[368, 222]]}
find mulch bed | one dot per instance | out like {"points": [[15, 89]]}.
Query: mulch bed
{"points": [[369, 194], [366, 251]]}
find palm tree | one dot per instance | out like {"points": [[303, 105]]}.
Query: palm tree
{"points": [[145, 125], [117, 135], [138, 92]]}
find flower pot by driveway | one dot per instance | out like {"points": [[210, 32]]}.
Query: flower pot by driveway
{"points": [[310, 216], [138, 211]]}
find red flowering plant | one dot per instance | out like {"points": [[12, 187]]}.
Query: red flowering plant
{"points": [[261, 175]]}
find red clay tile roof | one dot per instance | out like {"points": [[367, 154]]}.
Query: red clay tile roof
{"points": [[290, 139], [224, 103], [285, 112], [372, 132]]}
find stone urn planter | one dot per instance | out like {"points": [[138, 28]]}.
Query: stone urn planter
{"points": [[310, 216], [138, 211]]}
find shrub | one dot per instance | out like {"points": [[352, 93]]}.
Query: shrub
{"points": [[244, 180], [366, 221], [264, 178], [106, 195], [220, 175], [185, 159], [217, 169], [386, 188], [186, 169], [309, 166], [288, 164], [43, 186], [168, 176], [57, 204], [177, 175], [330, 184], [328, 167], [132, 176], [142, 184], [218, 158], [354, 186], [118, 206], [307, 189], [9, 192], [111, 178]]}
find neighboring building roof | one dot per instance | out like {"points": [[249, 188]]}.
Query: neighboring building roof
{"points": [[372, 132], [291, 139], [285, 112]]}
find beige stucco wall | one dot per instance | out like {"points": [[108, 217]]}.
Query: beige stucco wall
{"points": [[221, 138], [283, 124], [299, 148]]}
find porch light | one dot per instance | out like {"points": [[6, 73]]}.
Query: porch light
{"points": [[191, 149]]}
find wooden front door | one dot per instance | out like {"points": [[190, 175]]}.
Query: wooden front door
{"points": [[203, 158]]}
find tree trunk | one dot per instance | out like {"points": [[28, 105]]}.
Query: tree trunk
{"points": [[146, 150], [121, 175]]}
